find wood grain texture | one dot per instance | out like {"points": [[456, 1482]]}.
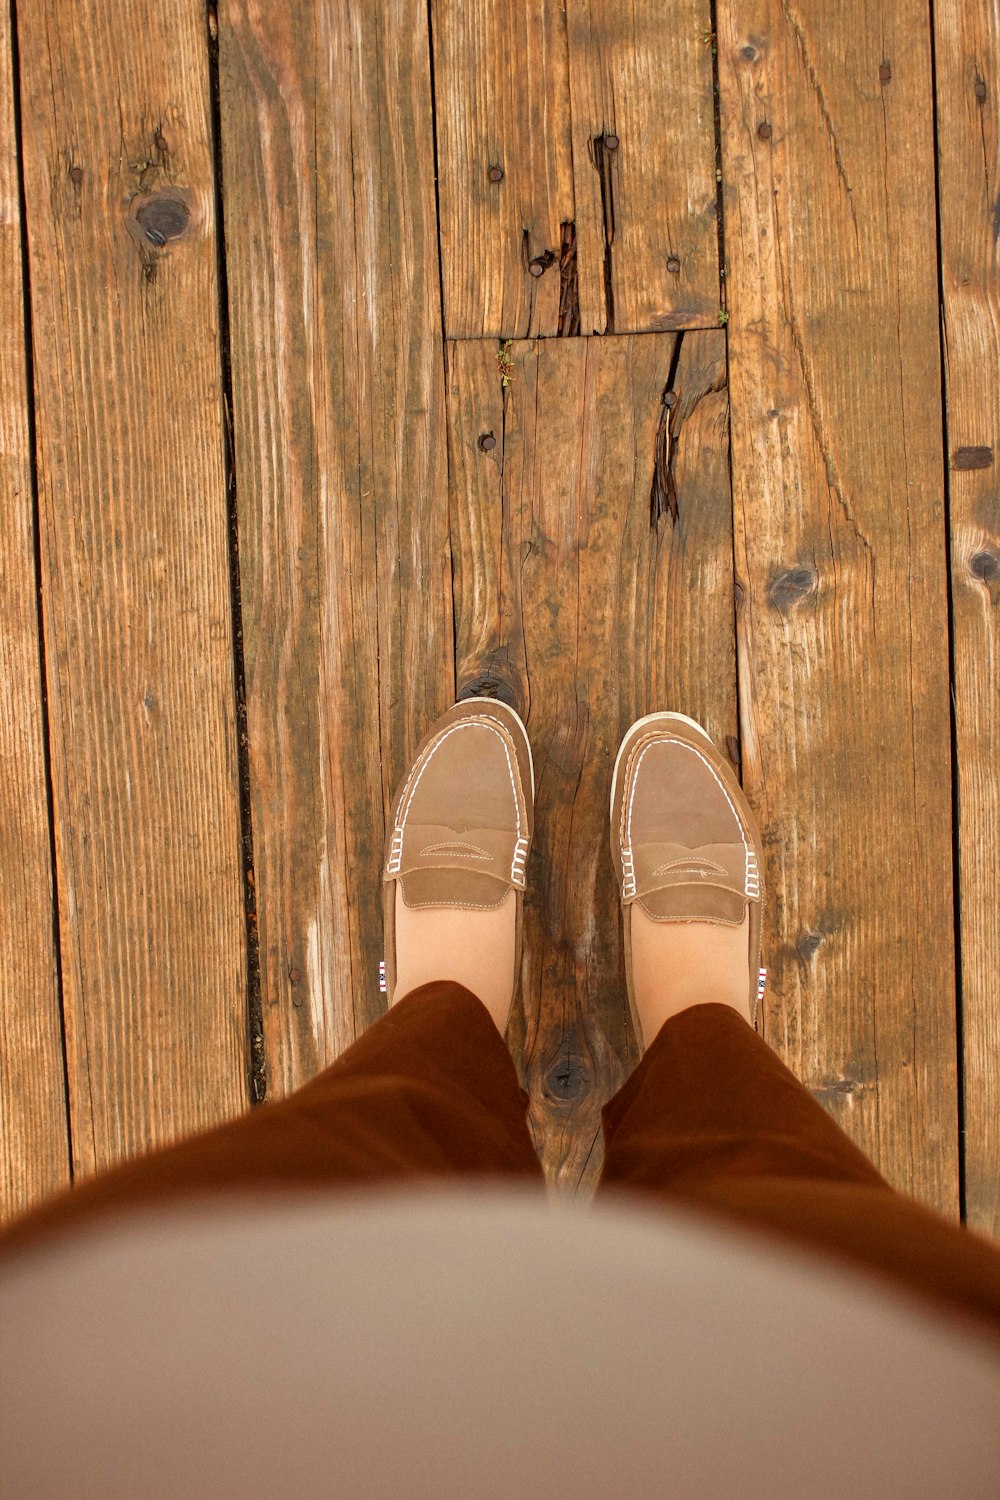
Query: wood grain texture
{"points": [[839, 539], [599, 120], [34, 1147], [968, 117], [119, 183], [341, 480], [593, 583], [646, 212]]}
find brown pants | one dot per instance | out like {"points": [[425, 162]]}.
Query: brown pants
{"points": [[710, 1118]]}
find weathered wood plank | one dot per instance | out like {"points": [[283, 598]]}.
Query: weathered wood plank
{"points": [[576, 158], [646, 212], [593, 583], [839, 530], [120, 208], [341, 479], [34, 1149], [968, 143], [505, 170]]}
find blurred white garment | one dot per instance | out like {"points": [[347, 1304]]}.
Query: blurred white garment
{"points": [[454, 1342]]}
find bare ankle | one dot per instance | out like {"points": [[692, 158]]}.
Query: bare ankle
{"points": [[473, 948], [676, 965]]}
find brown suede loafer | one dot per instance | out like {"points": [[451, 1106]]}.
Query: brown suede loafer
{"points": [[462, 820], [684, 840]]}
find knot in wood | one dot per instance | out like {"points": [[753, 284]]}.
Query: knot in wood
{"points": [[790, 587], [986, 567], [978, 457], [567, 1079], [163, 217], [490, 687], [809, 944]]}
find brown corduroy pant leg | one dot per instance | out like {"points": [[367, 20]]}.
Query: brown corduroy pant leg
{"points": [[710, 1118], [429, 1091]]}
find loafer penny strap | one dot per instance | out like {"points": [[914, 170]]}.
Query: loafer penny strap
{"points": [[420, 847], [657, 869]]}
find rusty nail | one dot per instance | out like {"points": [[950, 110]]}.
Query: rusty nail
{"points": [[764, 130], [76, 175], [885, 71], [673, 264], [980, 89], [669, 399], [536, 267], [496, 174], [487, 442], [611, 142]]}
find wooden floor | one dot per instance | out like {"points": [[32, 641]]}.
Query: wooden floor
{"points": [[608, 357]]}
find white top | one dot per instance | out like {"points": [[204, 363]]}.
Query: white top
{"points": [[452, 1343]]}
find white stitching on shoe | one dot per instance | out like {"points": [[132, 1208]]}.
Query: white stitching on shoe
{"points": [[394, 863], [457, 850], [628, 871], [690, 863]]}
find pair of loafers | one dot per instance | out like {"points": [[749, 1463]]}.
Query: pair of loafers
{"points": [[684, 841]]}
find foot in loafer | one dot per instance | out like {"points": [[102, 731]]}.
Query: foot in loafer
{"points": [[687, 852], [456, 854]]}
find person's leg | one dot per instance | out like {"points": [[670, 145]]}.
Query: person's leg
{"points": [[429, 1090], [712, 1118]]}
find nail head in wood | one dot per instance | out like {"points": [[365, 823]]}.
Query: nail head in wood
{"points": [[496, 174], [764, 130]]}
